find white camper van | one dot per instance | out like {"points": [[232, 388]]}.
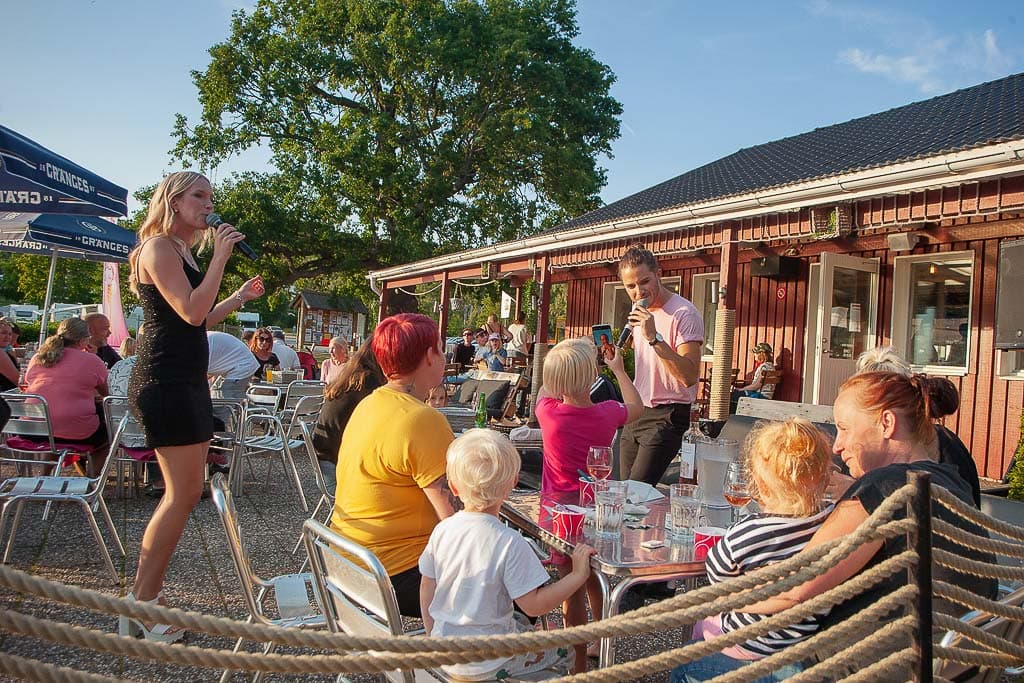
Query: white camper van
{"points": [[20, 313], [248, 321]]}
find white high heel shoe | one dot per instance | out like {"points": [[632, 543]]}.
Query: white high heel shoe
{"points": [[161, 633]]}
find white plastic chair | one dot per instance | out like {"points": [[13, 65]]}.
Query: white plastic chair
{"points": [[290, 592], [80, 490]]}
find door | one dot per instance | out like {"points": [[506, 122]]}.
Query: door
{"points": [[847, 314]]}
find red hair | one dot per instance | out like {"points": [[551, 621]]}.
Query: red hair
{"points": [[401, 342], [908, 397]]}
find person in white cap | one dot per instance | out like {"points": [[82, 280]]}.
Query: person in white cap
{"points": [[493, 358]]}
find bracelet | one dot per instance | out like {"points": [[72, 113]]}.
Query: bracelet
{"points": [[241, 301]]}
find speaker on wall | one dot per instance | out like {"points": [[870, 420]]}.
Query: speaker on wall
{"points": [[1009, 301]]}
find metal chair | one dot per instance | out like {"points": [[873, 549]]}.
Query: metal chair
{"points": [[295, 392], [326, 496], [290, 592], [1001, 627], [83, 491], [29, 441], [269, 435], [132, 454], [355, 592]]}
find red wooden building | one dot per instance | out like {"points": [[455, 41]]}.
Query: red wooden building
{"points": [[881, 230]]}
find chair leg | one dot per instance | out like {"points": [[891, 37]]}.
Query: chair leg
{"points": [[316, 510], [99, 541], [110, 524], [226, 676], [17, 502], [268, 649], [295, 475]]}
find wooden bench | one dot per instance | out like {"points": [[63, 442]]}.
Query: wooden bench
{"points": [[749, 411]]}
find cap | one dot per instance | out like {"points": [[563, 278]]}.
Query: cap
{"points": [[493, 336], [763, 347]]}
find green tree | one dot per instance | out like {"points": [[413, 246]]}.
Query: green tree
{"points": [[410, 127]]}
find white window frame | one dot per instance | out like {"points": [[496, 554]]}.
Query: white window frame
{"points": [[608, 297], [1010, 364], [900, 323], [701, 282]]}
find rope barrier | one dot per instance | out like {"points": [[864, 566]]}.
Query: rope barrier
{"points": [[352, 653]]}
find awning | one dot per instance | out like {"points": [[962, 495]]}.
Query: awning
{"points": [[84, 237]]}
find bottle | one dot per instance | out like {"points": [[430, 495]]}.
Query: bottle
{"points": [[481, 410], [688, 454]]}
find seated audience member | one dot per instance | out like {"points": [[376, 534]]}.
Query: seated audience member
{"points": [[333, 365], [262, 345], [944, 401], [883, 431], [117, 383], [789, 464], [465, 592], [232, 363], [438, 397], [99, 332], [393, 456], [357, 380], [71, 380], [465, 350], [127, 347], [9, 372], [764, 361], [287, 358], [493, 358]]}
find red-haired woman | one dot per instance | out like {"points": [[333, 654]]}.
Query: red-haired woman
{"points": [[393, 455]]}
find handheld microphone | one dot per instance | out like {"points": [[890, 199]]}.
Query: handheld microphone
{"points": [[214, 219], [627, 331]]}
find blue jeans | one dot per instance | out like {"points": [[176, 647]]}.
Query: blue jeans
{"points": [[328, 468], [716, 664]]}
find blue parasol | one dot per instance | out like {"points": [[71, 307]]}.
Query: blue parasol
{"points": [[33, 178]]}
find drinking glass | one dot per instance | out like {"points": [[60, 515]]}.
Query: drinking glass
{"points": [[684, 500], [609, 499], [599, 462], [734, 487]]}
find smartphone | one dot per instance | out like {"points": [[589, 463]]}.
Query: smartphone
{"points": [[602, 335]]}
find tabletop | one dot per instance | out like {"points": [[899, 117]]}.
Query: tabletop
{"points": [[624, 556]]}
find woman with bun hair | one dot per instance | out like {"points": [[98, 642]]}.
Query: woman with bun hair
{"points": [[883, 431]]}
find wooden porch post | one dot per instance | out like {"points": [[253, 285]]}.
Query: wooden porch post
{"points": [[381, 314], [300, 324], [442, 322], [725, 327], [540, 346]]}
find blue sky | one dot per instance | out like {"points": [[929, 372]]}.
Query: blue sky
{"points": [[100, 81]]}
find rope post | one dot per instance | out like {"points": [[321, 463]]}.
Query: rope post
{"points": [[919, 538]]}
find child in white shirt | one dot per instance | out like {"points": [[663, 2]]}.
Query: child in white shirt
{"points": [[474, 566]]}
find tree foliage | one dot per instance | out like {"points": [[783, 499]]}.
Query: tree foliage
{"points": [[401, 129]]}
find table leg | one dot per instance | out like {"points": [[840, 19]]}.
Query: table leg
{"points": [[610, 608]]}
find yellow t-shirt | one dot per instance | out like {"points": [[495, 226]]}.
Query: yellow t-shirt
{"points": [[393, 447]]}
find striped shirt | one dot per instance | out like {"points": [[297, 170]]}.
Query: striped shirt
{"points": [[751, 543]]}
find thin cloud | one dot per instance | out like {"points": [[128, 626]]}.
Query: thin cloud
{"points": [[907, 69]]}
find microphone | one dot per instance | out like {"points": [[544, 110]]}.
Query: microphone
{"points": [[627, 331], [214, 219]]}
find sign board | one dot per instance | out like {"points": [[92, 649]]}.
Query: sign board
{"points": [[506, 305]]}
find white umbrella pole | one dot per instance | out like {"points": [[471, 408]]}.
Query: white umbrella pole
{"points": [[49, 296]]}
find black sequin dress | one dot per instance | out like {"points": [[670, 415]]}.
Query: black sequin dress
{"points": [[168, 389]]}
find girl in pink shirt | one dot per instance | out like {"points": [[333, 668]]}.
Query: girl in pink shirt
{"points": [[571, 424]]}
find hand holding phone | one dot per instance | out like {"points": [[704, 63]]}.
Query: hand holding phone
{"points": [[602, 335]]}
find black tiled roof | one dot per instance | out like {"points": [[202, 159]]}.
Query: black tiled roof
{"points": [[973, 117], [330, 302]]}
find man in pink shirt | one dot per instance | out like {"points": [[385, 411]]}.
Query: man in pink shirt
{"points": [[667, 335]]}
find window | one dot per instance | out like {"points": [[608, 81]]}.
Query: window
{"points": [[931, 322], [615, 303], [705, 298], [1011, 364]]}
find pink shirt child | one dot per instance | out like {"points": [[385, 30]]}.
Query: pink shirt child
{"points": [[69, 388], [569, 432]]}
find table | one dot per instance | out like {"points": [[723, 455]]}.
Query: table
{"points": [[621, 557]]}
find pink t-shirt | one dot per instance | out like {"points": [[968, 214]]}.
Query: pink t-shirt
{"points": [[679, 322], [569, 432], [69, 388]]}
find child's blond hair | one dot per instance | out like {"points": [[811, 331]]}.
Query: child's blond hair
{"points": [[571, 367], [438, 397], [482, 465], [789, 464]]}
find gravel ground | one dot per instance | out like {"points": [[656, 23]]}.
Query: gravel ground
{"points": [[200, 578]]}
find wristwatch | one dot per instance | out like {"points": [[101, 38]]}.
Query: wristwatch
{"points": [[657, 338]]}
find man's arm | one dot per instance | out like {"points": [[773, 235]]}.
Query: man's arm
{"points": [[683, 361], [440, 495]]}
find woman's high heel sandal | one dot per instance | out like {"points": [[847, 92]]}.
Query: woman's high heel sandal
{"points": [[161, 633]]}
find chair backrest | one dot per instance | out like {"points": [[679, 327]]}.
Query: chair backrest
{"points": [[264, 396], [353, 588], [1000, 627], [30, 416], [299, 389], [770, 382], [247, 578], [115, 408], [307, 427]]}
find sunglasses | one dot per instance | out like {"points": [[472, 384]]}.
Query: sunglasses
{"points": [[264, 338]]}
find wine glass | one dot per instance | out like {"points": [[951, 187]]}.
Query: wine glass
{"points": [[734, 488], [599, 462]]}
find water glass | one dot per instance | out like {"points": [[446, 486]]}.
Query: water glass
{"points": [[609, 499], [684, 500], [587, 492]]}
